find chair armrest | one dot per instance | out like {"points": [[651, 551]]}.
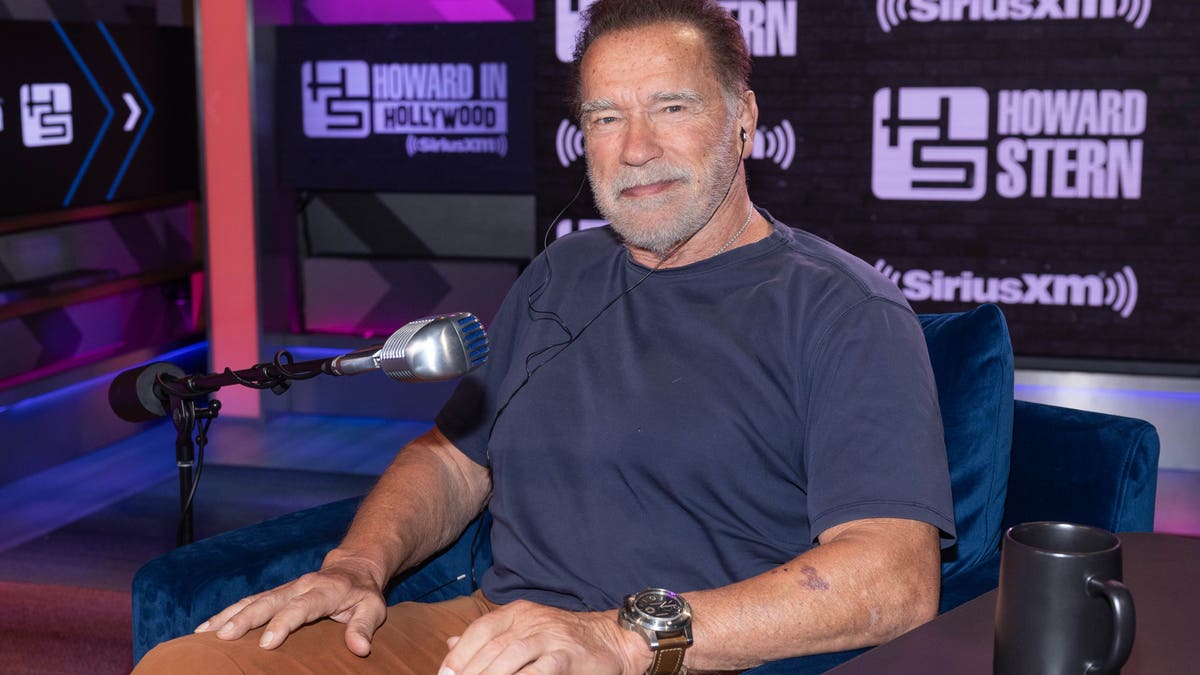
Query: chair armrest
{"points": [[1084, 467], [970, 584], [174, 592]]}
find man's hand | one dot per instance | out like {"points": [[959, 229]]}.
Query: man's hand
{"points": [[346, 590], [531, 639]]}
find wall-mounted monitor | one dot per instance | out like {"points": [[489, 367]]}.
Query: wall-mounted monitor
{"points": [[94, 114]]}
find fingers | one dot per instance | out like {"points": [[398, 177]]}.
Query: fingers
{"points": [[244, 615], [315, 603], [298, 611], [217, 620], [519, 656], [508, 657], [550, 663], [249, 614], [476, 648], [518, 639], [530, 639], [287, 608], [361, 624]]}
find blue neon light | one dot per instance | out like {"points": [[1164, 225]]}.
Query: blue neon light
{"points": [[145, 100], [73, 389], [1108, 391], [309, 353], [107, 119]]}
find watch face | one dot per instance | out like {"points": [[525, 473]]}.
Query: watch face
{"points": [[657, 614], [658, 605]]}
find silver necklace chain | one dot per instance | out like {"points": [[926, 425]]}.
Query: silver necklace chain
{"points": [[738, 233]]}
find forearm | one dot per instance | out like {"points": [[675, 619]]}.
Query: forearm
{"points": [[862, 587], [869, 581], [421, 503]]}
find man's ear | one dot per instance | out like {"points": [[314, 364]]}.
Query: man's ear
{"points": [[748, 120]]}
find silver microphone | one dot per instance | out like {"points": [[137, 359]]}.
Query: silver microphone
{"points": [[427, 350]]}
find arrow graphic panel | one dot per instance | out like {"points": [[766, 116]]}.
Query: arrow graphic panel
{"points": [[99, 113], [132, 106], [135, 111], [87, 160]]}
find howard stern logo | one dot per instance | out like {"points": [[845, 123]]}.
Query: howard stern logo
{"points": [[1118, 291], [892, 13], [428, 101], [46, 115], [769, 25], [775, 144], [934, 143]]}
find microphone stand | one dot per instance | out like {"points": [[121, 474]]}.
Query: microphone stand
{"points": [[143, 390], [184, 414], [180, 396]]}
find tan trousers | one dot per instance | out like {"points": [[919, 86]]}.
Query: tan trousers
{"points": [[412, 641]]}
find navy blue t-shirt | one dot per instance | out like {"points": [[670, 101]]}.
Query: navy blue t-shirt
{"points": [[705, 428]]}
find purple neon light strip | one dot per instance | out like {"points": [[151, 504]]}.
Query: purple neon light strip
{"points": [[417, 11]]}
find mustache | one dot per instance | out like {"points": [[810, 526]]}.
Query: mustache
{"points": [[646, 175]]}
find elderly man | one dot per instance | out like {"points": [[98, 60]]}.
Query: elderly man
{"points": [[732, 422]]}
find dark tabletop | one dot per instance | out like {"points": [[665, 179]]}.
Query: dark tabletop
{"points": [[1162, 572]]}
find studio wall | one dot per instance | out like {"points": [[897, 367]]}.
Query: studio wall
{"points": [[1039, 155], [381, 203], [99, 235]]}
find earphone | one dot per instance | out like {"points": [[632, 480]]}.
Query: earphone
{"points": [[540, 314], [549, 315]]}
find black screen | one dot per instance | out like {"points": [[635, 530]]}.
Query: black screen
{"points": [[92, 114]]}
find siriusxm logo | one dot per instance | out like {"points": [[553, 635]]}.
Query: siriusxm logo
{"points": [[769, 25], [1118, 291], [568, 143], [892, 13], [934, 143], [775, 144]]}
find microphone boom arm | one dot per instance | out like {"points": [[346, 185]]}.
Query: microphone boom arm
{"points": [[431, 349], [426, 350], [276, 376]]}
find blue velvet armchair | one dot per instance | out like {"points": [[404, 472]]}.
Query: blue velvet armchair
{"points": [[1010, 462]]}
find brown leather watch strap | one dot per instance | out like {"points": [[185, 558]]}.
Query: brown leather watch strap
{"points": [[668, 658]]}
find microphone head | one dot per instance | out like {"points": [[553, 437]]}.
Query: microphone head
{"points": [[134, 394], [435, 348]]}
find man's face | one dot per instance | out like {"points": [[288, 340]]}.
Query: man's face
{"points": [[660, 137]]}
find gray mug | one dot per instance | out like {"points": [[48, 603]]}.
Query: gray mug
{"points": [[1061, 607]]}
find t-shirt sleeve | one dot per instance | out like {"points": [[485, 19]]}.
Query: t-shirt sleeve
{"points": [[873, 439]]}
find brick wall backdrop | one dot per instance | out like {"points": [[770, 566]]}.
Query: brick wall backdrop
{"points": [[817, 83]]}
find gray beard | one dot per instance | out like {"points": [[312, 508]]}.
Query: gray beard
{"points": [[662, 238]]}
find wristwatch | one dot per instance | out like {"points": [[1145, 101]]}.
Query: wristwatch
{"points": [[665, 620]]}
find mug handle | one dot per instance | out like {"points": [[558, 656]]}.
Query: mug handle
{"points": [[1124, 622]]}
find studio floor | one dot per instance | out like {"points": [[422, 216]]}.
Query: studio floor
{"points": [[94, 521]]}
